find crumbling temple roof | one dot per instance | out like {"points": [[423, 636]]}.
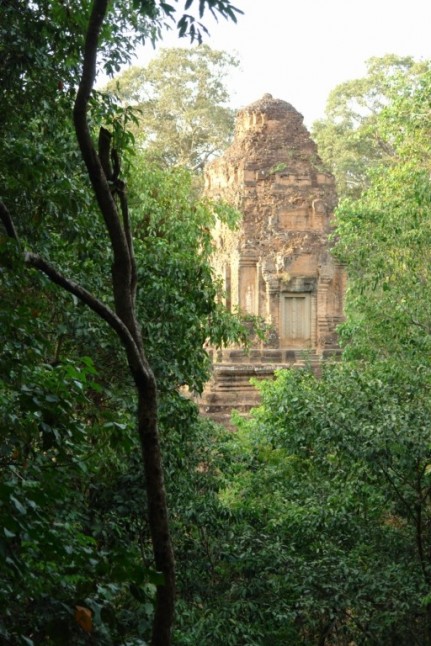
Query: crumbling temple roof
{"points": [[274, 108]]}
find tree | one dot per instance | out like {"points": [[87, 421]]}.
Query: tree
{"points": [[177, 282], [383, 239], [330, 479], [349, 137], [68, 453], [57, 36], [181, 104]]}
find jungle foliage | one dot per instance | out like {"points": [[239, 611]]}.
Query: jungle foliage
{"points": [[309, 525], [81, 560], [351, 137], [330, 476], [181, 105]]}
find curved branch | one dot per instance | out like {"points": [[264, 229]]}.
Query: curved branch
{"points": [[102, 310], [124, 205]]}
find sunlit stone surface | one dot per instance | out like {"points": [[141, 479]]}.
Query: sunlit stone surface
{"points": [[278, 264]]}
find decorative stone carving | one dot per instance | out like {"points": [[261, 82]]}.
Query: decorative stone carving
{"points": [[277, 264]]}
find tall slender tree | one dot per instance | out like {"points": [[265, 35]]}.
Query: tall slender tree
{"points": [[66, 43]]}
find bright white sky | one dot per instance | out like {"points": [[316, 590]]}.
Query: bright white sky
{"points": [[299, 50]]}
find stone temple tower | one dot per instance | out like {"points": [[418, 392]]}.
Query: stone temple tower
{"points": [[277, 265]]}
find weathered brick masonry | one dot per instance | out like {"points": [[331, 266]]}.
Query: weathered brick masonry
{"points": [[278, 264]]}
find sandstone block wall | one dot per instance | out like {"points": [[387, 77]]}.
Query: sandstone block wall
{"points": [[278, 263]]}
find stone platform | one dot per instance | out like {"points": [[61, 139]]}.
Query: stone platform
{"points": [[231, 389]]}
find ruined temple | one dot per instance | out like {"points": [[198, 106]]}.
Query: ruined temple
{"points": [[277, 265]]}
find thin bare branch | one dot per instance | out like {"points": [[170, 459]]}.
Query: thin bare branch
{"points": [[124, 206], [7, 221]]}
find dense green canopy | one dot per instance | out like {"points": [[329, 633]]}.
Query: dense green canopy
{"points": [[309, 525], [181, 105], [350, 138]]}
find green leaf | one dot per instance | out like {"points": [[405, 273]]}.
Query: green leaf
{"points": [[138, 593], [8, 533], [18, 506]]}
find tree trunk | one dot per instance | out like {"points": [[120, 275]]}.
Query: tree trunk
{"points": [[123, 283], [123, 321]]}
